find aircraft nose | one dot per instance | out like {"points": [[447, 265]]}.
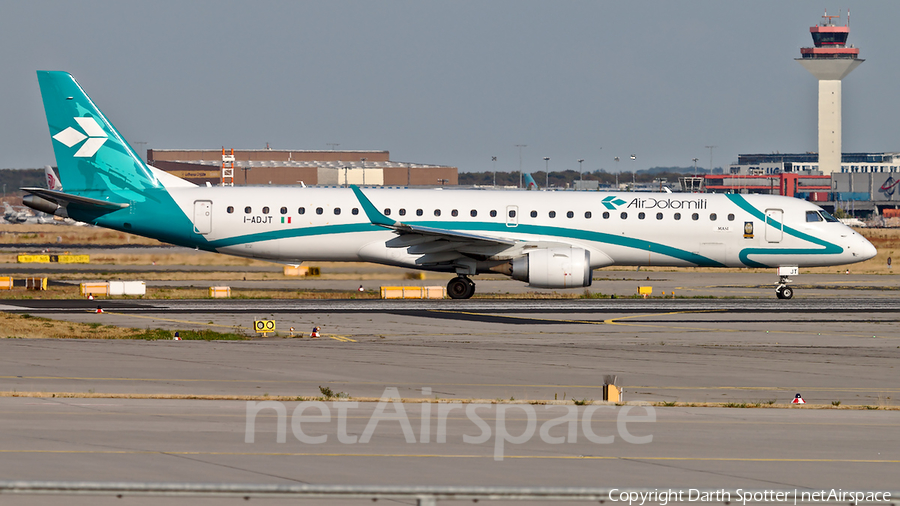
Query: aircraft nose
{"points": [[864, 250]]}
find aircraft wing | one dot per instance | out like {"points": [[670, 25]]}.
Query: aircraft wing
{"points": [[434, 244]]}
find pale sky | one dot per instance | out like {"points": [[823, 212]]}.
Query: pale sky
{"points": [[452, 82]]}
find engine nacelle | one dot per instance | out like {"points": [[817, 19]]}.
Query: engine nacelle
{"points": [[554, 268], [43, 205]]}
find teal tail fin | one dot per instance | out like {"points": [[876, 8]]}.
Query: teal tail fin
{"points": [[529, 182], [92, 157]]}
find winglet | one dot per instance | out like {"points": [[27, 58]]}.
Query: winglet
{"points": [[374, 216]]}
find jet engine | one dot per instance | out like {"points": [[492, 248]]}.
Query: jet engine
{"points": [[554, 268], [40, 204]]}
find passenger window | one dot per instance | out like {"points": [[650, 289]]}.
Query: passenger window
{"points": [[605, 215], [512, 213], [302, 210], [493, 213], [402, 212], [659, 216], [677, 216], [337, 211], [283, 210], [587, 214], [534, 214], [247, 210], [355, 211], [266, 210], [695, 216], [473, 213], [812, 216], [553, 214], [387, 212], [731, 217], [712, 217], [641, 216], [230, 209], [419, 212], [624, 216], [454, 213], [319, 210], [437, 212], [570, 214]]}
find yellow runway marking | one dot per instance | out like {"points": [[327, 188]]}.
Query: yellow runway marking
{"points": [[343, 339], [614, 321], [670, 327], [450, 456], [610, 321]]}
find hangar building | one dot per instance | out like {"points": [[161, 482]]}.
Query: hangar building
{"points": [[291, 167]]}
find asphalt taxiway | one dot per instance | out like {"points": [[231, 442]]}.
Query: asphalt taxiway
{"points": [[756, 351]]}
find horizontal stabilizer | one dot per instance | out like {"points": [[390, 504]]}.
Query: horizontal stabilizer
{"points": [[65, 198]]}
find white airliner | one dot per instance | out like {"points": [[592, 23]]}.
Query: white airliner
{"points": [[549, 239]]}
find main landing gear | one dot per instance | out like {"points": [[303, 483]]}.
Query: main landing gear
{"points": [[461, 287]]}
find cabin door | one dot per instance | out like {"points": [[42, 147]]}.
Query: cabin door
{"points": [[202, 216], [774, 225]]}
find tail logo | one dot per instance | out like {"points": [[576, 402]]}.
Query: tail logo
{"points": [[95, 137]]}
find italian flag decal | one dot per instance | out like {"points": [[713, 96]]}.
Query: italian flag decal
{"points": [[288, 219]]}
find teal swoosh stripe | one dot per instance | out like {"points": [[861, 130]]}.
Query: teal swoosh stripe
{"points": [[827, 247], [499, 228], [587, 235], [295, 232]]}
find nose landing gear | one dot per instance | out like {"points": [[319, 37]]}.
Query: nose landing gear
{"points": [[782, 290], [461, 287]]}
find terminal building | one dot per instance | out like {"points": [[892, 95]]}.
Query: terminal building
{"points": [[865, 179], [293, 167]]}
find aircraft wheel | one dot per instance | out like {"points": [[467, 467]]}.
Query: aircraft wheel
{"points": [[787, 292], [779, 291], [460, 288]]}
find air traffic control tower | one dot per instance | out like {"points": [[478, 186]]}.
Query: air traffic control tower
{"points": [[830, 61]]}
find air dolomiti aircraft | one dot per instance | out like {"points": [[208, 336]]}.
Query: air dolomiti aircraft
{"points": [[549, 239]]}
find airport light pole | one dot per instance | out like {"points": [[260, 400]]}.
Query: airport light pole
{"points": [[547, 171], [333, 144], [710, 148], [363, 160], [617, 172], [494, 159], [633, 173], [520, 146], [695, 164], [580, 170]]}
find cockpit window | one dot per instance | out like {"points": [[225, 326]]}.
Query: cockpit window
{"points": [[828, 217], [812, 216]]}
